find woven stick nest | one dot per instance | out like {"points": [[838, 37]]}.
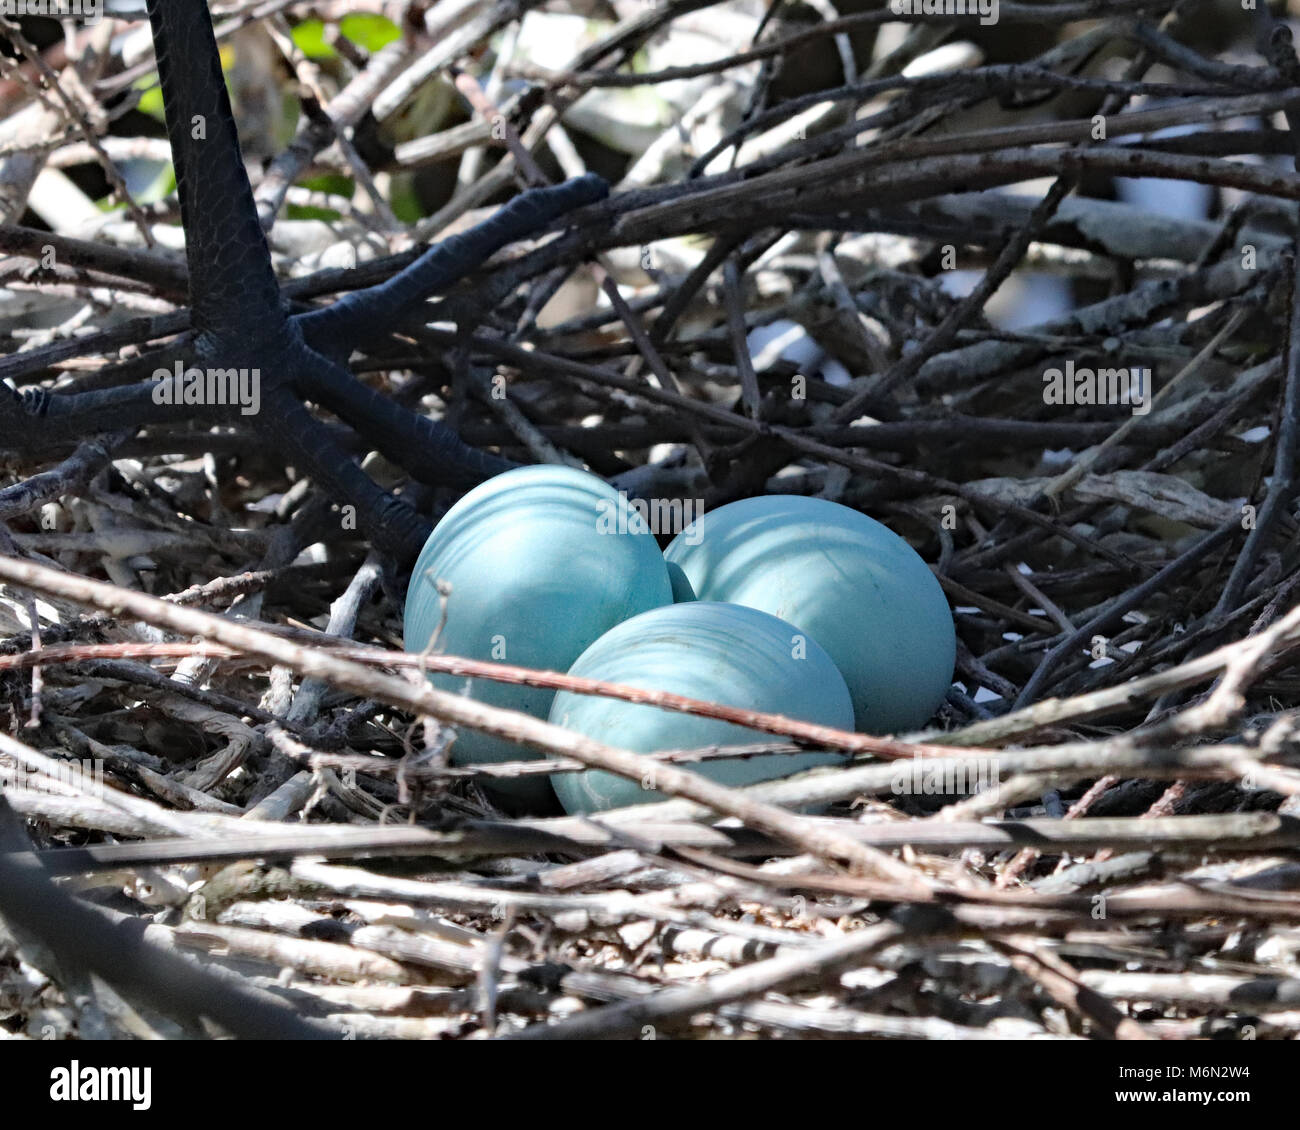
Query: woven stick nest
{"points": [[812, 278]]}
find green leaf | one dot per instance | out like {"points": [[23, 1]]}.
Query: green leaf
{"points": [[369, 30], [151, 99], [336, 184], [310, 212], [404, 200], [309, 38]]}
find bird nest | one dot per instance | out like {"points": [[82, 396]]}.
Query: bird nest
{"points": [[1080, 406]]}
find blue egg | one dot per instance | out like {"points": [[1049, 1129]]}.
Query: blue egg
{"points": [[718, 652], [682, 591], [541, 561], [852, 584]]}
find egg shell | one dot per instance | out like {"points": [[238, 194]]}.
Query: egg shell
{"points": [[719, 652], [541, 562], [854, 585], [682, 591]]}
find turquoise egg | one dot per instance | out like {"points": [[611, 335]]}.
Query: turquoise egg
{"points": [[719, 652], [541, 561], [852, 584], [682, 591]]}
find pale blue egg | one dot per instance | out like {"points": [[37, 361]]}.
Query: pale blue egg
{"points": [[718, 652], [682, 591], [541, 562], [852, 584]]}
